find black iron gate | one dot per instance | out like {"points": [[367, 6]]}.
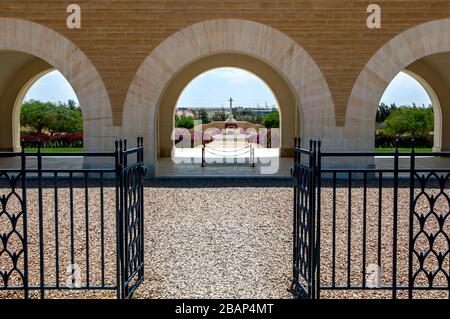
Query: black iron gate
{"points": [[371, 232], [71, 231], [131, 230], [305, 235]]}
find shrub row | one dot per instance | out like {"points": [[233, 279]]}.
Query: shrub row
{"points": [[34, 140], [390, 141]]}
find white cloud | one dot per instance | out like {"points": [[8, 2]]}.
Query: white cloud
{"points": [[234, 75]]}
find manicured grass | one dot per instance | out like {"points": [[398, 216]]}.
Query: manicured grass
{"points": [[403, 150], [55, 150]]}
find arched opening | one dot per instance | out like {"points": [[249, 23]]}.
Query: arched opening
{"points": [[409, 115], [22, 72], [280, 90], [48, 109], [236, 113], [274, 85]]}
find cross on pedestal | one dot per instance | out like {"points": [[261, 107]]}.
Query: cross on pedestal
{"points": [[231, 104]]}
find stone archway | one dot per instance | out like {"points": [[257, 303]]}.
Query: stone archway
{"points": [[403, 52], [284, 55], [280, 89], [60, 53]]}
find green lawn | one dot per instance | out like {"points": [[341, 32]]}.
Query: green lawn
{"points": [[55, 150], [403, 150]]}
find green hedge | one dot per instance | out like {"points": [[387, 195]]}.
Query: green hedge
{"points": [[389, 141]]}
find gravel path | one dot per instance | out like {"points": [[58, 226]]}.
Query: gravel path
{"points": [[218, 239], [213, 239]]}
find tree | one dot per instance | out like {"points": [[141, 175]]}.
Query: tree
{"points": [[219, 116], [56, 118], [272, 120], [70, 119], [384, 111], [414, 121], [185, 122], [38, 115], [247, 114], [71, 104], [202, 115]]}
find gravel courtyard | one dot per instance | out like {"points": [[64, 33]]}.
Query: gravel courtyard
{"points": [[218, 240], [214, 239]]}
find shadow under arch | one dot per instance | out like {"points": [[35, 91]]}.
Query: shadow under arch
{"points": [[294, 64], [18, 106], [60, 53], [289, 113], [437, 109], [400, 53]]}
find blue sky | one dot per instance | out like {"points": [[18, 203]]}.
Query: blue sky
{"points": [[215, 87], [404, 90], [51, 87]]}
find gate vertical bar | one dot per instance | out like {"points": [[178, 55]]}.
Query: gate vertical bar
{"points": [[307, 222], [119, 224], [364, 234], [118, 238], [125, 220], [55, 197], [412, 177], [86, 216], [380, 218], [311, 220], [349, 230], [25, 223], [394, 224], [41, 225], [294, 221], [318, 173], [333, 253], [102, 226], [142, 204]]}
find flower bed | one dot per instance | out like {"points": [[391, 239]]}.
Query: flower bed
{"points": [[34, 140]]}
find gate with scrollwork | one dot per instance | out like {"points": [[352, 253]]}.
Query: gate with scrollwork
{"points": [[72, 231], [13, 232], [429, 234], [372, 232], [131, 227]]}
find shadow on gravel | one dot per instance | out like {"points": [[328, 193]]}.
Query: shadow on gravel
{"points": [[218, 183]]}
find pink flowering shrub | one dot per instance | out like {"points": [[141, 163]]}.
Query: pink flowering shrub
{"points": [[35, 140]]}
